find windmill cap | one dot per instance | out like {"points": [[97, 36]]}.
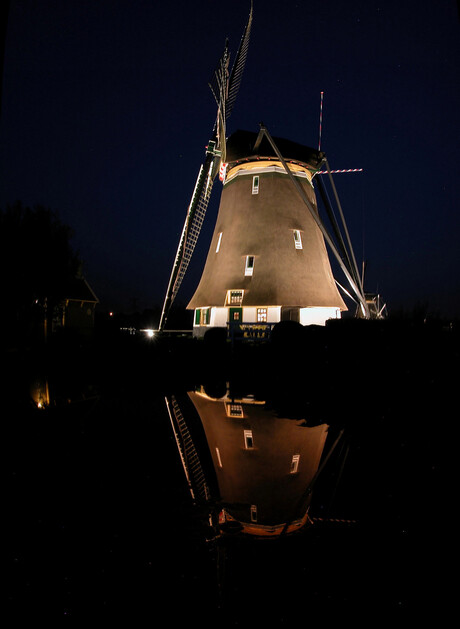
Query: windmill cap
{"points": [[240, 147]]}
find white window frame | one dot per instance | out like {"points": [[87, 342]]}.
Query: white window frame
{"points": [[249, 265], [255, 184], [219, 240], [298, 239]]}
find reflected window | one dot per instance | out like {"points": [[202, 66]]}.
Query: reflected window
{"points": [[219, 460], [255, 184], [295, 463], [248, 439], [234, 410], [253, 513]]}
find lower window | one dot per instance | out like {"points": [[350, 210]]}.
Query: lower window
{"points": [[261, 315], [202, 316]]}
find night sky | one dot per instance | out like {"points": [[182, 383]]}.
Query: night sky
{"points": [[106, 112]]}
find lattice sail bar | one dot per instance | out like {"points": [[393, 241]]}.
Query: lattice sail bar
{"points": [[190, 232]]}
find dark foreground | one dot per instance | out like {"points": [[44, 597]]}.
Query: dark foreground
{"points": [[100, 524]]}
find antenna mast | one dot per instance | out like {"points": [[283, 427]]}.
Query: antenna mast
{"points": [[320, 120]]}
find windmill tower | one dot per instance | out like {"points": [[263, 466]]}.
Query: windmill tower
{"points": [[267, 261]]}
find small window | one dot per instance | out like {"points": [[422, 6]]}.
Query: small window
{"points": [[297, 239], [234, 410], [248, 439], [202, 316], [249, 268], [255, 184], [253, 513], [261, 315], [235, 297], [218, 242], [295, 463]]}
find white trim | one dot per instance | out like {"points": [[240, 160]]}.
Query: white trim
{"points": [[218, 242], [268, 169], [318, 315]]}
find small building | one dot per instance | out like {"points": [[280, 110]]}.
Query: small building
{"points": [[76, 311]]}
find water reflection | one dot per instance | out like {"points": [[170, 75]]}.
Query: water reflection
{"points": [[255, 468], [242, 493], [40, 392]]}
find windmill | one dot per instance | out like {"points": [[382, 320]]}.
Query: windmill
{"points": [[267, 253]]}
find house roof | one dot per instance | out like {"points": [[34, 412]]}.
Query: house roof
{"points": [[78, 289]]}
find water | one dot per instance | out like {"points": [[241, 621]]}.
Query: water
{"points": [[101, 523]]}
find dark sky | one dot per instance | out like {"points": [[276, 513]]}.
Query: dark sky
{"points": [[106, 112]]}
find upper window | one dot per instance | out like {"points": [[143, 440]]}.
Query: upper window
{"points": [[255, 184], [297, 239], [249, 267], [235, 297], [219, 239]]}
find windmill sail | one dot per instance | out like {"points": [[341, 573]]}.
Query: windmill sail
{"points": [[238, 67], [224, 87], [190, 232]]}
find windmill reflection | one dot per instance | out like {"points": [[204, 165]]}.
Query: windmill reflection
{"points": [[253, 468]]}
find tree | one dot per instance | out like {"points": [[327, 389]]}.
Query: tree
{"points": [[36, 262]]}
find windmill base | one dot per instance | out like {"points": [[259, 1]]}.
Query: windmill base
{"points": [[252, 322]]}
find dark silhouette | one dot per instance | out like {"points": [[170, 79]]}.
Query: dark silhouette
{"points": [[37, 263]]}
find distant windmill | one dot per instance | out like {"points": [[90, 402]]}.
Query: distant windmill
{"points": [[268, 259]]}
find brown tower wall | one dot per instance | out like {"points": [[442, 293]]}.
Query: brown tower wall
{"points": [[262, 225]]}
